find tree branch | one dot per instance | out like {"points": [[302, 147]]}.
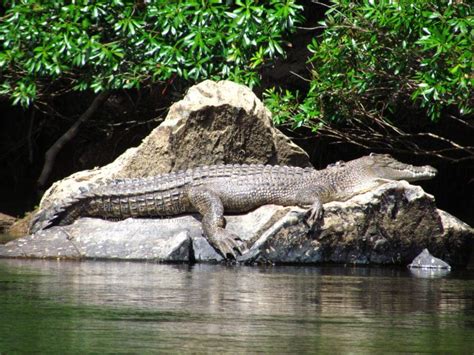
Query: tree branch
{"points": [[53, 151], [371, 131]]}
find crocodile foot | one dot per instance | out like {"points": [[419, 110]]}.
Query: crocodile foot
{"points": [[227, 244]]}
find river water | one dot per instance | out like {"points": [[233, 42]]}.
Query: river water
{"points": [[96, 307]]}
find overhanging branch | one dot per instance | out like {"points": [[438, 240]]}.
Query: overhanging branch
{"points": [[370, 130]]}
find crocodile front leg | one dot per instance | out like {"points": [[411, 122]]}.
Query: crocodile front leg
{"points": [[209, 205]]}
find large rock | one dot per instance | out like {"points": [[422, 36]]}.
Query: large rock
{"points": [[165, 239], [216, 122], [389, 225]]}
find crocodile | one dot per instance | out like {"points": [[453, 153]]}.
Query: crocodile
{"points": [[213, 190]]}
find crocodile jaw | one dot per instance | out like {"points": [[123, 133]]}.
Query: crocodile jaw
{"points": [[416, 173]]}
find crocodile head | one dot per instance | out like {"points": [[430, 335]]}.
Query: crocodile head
{"points": [[383, 166]]}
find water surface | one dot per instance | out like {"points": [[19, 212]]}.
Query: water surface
{"points": [[60, 306]]}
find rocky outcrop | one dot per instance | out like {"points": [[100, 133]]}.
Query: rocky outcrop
{"points": [[389, 225], [6, 222], [216, 122]]}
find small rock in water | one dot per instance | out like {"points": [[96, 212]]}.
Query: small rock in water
{"points": [[427, 261]]}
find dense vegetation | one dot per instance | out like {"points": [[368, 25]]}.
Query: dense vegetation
{"points": [[54, 46], [382, 69]]}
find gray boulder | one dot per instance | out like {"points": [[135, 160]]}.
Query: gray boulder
{"points": [[163, 239], [425, 260], [426, 265], [389, 225]]}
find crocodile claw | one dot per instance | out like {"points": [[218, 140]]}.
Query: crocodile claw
{"points": [[227, 244], [315, 218]]}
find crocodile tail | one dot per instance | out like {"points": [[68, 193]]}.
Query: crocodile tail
{"points": [[44, 219], [54, 215], [63, 213]]}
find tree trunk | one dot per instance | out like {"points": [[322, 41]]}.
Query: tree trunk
{"points": [[53, 151]]}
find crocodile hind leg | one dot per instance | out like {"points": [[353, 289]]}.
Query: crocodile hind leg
{"points": [[209, 205], [314, 216]]}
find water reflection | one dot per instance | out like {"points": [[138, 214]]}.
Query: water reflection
{"points": [[142, 306], [429, 273]]}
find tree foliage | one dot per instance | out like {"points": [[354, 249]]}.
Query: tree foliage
{"points": [[54, 46], [378, 64]]}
